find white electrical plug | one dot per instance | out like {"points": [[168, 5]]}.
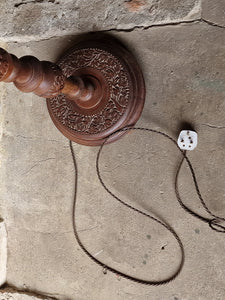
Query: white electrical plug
{"points": [[187, 140]]}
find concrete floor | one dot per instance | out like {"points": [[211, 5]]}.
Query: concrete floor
{"points": [[184, 71]]}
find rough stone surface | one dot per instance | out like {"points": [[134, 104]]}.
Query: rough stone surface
{"points": [[184, 69], [214, 11], [23, 20]]}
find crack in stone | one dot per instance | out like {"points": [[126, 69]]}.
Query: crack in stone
{"points": [[33, 1], [174, 23], [87, 229], [213, 126], [47, 232], [24, 137], [212, 23], [37, 163], [9, 288], [39, 138]]}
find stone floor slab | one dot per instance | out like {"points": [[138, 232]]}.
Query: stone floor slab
{"points": [[184, 69], [214, 11]]}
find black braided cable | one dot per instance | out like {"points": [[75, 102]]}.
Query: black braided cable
{"points": [[213, 223], [106, 267]]}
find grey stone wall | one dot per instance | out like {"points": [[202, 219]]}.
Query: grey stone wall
{"points": [[25, 20]]}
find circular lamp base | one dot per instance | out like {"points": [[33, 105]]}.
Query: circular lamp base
{"points": [[120, 91]]}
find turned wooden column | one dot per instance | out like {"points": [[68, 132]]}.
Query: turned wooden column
{"points": [[44, 79]]}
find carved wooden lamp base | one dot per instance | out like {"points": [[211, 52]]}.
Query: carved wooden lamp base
{"points": [[95, 89]]}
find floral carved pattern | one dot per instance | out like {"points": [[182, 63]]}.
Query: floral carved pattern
{"points": [[58, 81], [117, 79], [4, 64]]}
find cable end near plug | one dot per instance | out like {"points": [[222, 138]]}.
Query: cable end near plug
{"points": [[215, 224], [187, 140]]}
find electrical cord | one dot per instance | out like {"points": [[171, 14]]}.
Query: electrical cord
{"points": [[213, 223]]}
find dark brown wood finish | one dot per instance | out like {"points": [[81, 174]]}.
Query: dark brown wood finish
{"points": [[43, 78], [95, 89]]}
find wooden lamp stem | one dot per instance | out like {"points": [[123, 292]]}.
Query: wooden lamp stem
{"points": [[43, 78]]}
